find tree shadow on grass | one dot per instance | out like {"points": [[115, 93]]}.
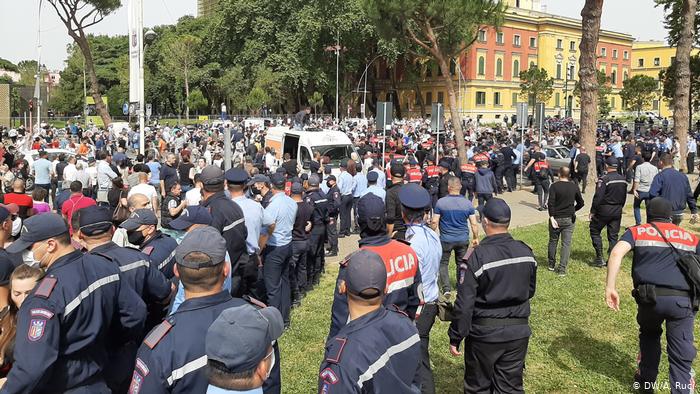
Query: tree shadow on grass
{"points": [[592, 354]]}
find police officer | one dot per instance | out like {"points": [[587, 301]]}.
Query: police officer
{"points": [[415, 200], [400, 260], [414, 173], [96, 232], [298, 275], [324, 182], [334, 202], [496, 281], [228, 216], [468, 177], [606, 209], [315, 257], [394, 222], [245, 271], [142, 230], [172, 357], [378, 349], [63, 336], [444, 170], [431, 177], [662, 293]]}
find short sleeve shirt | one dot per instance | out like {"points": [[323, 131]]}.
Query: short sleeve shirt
{"points": [[454, 211]]}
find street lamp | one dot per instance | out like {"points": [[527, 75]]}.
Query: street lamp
{"points": [[364, 92], [569, 65], [148, 37]]}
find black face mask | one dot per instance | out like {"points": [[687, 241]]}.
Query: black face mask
{"points": [[135, 237], [329, 184], [255, 190]]}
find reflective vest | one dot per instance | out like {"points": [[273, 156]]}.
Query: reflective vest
{"points": [[414, 175], [468, 168], [432, 171]]}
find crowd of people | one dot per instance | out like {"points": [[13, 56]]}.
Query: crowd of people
{"points": [[176, 271]]}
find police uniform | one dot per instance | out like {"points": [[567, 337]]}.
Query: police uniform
{"points": [[468, 177], [315, 258], [496, 281], [401, 263], [334, 203], [606, 209], [542, 176], [414, 173], [393, 205], [377, 352], [654, 267], [431, 179], [63, 336], [160, 248], [172, 357]]}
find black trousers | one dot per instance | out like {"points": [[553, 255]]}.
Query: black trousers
{"points": [[276, 277], [297, 267], [494, 367], [345, 214], [582, 180], [315, 256], [332, 233], [499, 173], [598, 223], [690, 162], [510, 176], [245, 276], [424, 375]]}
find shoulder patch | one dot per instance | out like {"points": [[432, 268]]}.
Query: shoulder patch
{"points": [[148, 250], [335, 349], [41, 312], [157, 334], [255, 301], [104, 255], [37, 328], [329, 376], [136, 383], [46, 287]]}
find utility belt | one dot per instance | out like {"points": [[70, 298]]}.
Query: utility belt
{"points": [[497, 322], [646, 294]]}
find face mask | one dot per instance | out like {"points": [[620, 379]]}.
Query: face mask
{"points": [[135, 237], [255, 190], [40, 262], [16, 226], [272, 363]]}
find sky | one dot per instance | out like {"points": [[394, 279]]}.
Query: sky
{"points": [[18, 26]]}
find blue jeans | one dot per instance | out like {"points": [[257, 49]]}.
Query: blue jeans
{"points": [[643, 196]]}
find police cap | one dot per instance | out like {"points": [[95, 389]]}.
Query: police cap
{"points": [[38, 228], [314, 180], [372, 176], [297, 188], [611, 161], [497, 211], [365, 274], [193, 214], [236, 176], [212, 175], [94, 220], [413, 196], [258, 178], [206, 240], [278, 180], [331, 178], [397, 171], [139, 218], [444, 164]]}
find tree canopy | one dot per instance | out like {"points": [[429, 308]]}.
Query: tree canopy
{"points": [[638, 92]]}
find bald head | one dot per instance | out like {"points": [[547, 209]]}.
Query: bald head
{"points": [[454, 185], [564, 172], [137, 201]]}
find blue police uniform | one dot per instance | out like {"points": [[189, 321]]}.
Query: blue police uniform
{"points": [[606, 208], [654, 264], [63, 336], [172, 357], [228, 218], [375, 353], [335, 202], [247, 274], [315, 257], [496, 281], [160, 248]]}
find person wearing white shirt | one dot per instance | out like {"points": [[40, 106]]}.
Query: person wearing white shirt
{"points": [[194, 195], [70, 172], [146, 189], [692, 151]]}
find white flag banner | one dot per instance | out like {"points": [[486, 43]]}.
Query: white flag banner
{"points": [[135, 43]]}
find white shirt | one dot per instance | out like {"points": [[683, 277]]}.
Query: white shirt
{"points": [[193, 196], [92, 173], [70, 173], [145, 189], [104, 175]]}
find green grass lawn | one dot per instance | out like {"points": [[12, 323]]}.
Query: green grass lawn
{"points": [[578, 345]]}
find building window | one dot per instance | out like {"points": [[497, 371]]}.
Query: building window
{"points": [[603, 52], [429, 98], [625, 55], [516, 69], [441, 97], [499, 67], [497, 98], [514, 99], [559, 43], [613, 77], [655, 105], [499, 38], [533, 42], [516, 40], [482, 65], [641, 62], [482, 36], [572, 45], [557, 99], [571, 72], [657, 61], [480, 98], [614, 53], [625, 76], [612, 102], [558, 71]]}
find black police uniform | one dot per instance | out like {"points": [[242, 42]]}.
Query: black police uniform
{"points": [[393, 210], [334, 201], [496, 282], [227, 217], [172, 357], [375, 353], [654, 265], [403, 280], [160, 248], [606, 208], [63, 336], [315, 257]]}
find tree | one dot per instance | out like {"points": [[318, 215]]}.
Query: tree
{"points": [[537, 85], [604, 90], [77, 16], [196, 101], [682, 25], [638, 92], [256, 99], [442, 29], [316, 100], [235, 87], [180, 58], [668, 79]]}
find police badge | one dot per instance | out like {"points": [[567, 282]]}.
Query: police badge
{"points": [[37, 327]]}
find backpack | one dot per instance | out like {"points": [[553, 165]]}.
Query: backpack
{"points": [[689, 264]]}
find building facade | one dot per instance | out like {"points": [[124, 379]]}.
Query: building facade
{"points": [[489, 85]]}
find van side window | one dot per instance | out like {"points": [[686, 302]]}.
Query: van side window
{"points": [[305, 156]]}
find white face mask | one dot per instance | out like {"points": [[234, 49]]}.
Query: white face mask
{"points": [[272, 363], [16, 226]]}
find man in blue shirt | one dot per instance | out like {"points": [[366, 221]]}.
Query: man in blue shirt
{"points": [[279, 219], [454, 214], [42, 173], [345, 184], [372, 187], [672, 185], [359, 185], [154, 166]]}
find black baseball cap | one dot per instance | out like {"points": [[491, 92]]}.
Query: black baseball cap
{"points": [[397, 170], [278, 179], [138, 218], [297, 188], [206, 240], [38, 228]]}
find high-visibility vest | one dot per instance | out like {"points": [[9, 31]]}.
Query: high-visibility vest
{"points": [[414, 175]]}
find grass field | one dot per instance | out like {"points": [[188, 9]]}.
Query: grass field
{"points": [[578, 345]]}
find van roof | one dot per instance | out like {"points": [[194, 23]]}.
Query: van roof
{"points": [[312, 137]]}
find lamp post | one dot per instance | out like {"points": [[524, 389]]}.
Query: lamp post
{"points": [[364, 92], [149, 36], [569, 67]]}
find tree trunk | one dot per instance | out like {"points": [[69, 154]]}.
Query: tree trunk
{"points": [[187, 96], [454, 112], [588, 77], [681, 104], [419, 96], [84, 46]]}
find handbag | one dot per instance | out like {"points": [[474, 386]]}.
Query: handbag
{"points": [[121, 213]]}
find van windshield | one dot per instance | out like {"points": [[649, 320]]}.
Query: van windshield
{"points": [[336, 153]]}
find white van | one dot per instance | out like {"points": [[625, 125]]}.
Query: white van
{"points": [[301, 144]]}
